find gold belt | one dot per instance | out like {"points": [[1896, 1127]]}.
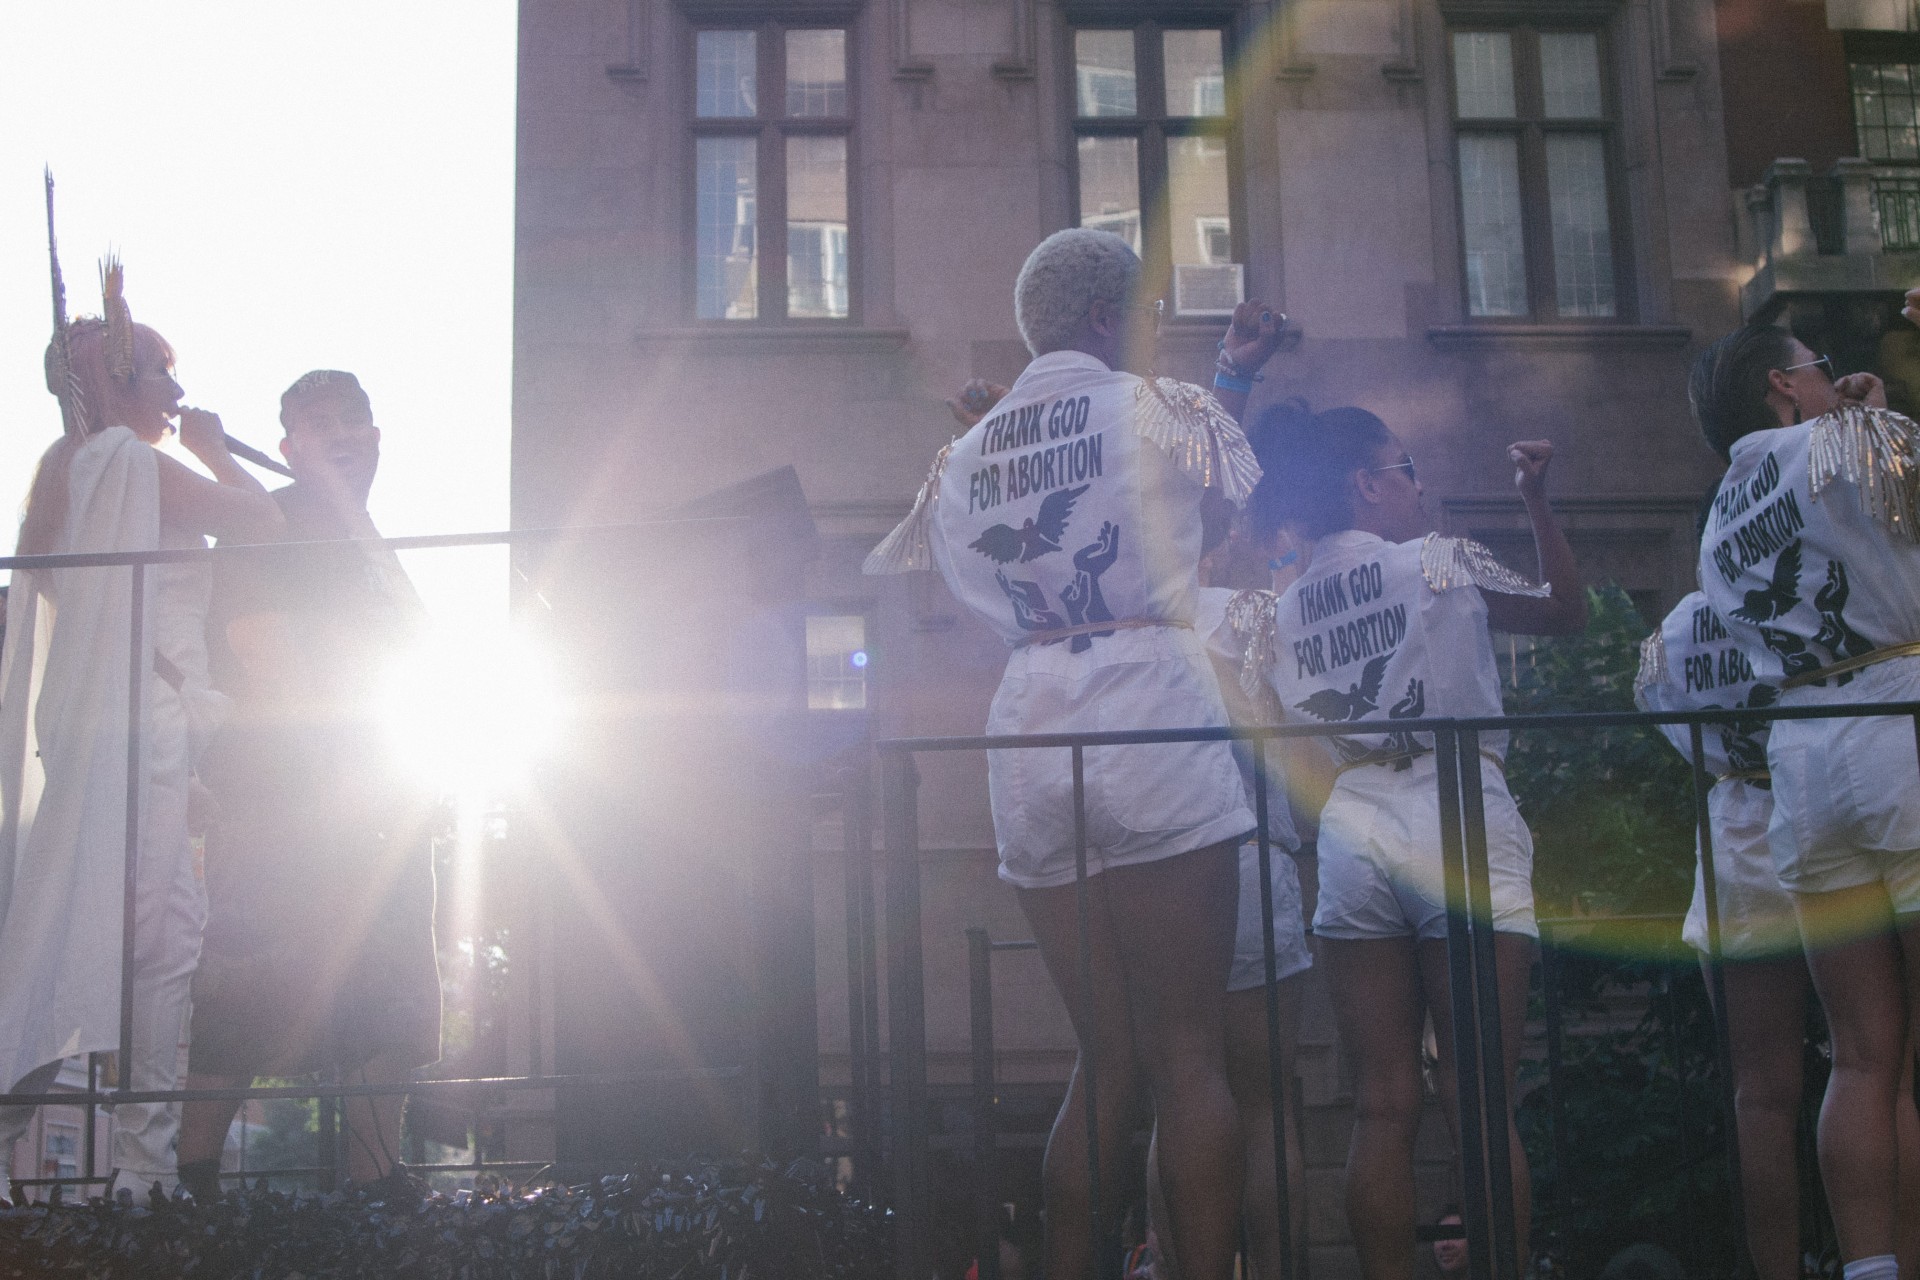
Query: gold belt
{"points": [[1842, 667], [1744, 775], [1096, 628], [1406, 758]]}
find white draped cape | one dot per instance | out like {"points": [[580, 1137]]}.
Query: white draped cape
{"points": [[63, 765]]}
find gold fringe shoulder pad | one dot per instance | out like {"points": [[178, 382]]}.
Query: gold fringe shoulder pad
{"points": [[1877, 451], [907, 548], [1199, 435], [1447, 563], [1653, 666], [1253, 616]]}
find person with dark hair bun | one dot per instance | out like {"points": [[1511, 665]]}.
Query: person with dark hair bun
{"points": [[1386, 624], [1811, 555]]}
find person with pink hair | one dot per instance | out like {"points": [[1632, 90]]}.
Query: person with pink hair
{"points": [[65, 690]]}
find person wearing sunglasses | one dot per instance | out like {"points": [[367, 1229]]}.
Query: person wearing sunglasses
{"points": [[1809, 554], [1391, 623]]}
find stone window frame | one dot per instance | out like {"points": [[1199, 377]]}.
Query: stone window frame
{"points": [[1153, 127], [1527, 22], [770, 129]]}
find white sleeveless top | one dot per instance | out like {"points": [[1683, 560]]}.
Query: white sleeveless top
{"points": [[1692, 663], [1380, 630], [1809, 551], [1077, 501]]}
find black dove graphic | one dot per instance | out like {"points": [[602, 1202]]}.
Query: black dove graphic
{"points": [[1333, 705], [1777, 598], [1004, 544]]}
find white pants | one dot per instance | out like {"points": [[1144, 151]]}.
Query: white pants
{"points": [[1381, 870], [1290, 954], [170, 910], [1757, 920]]}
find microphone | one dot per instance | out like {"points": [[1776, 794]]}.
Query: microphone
{"points": [[250, 454]]}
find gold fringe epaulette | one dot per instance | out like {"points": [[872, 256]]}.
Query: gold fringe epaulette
{"points": [[1653, 666], [1201, 437], [906, 548], [1447, 563], [1253, 616], [1875, 451]]}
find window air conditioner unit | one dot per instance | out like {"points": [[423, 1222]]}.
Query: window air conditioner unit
{"points": [[1208, 289]]}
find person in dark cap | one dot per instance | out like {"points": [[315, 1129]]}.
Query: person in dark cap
{"points": [[319, 953]]}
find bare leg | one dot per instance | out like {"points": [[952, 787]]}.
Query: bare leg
{"points": [[1766, 1028], [1513, 967], [372, 1125], [1159, 1011], [204, 1125], [1906, 1238], [1861, 987], [1108, 1042], [1252, 1089], [1376, 1001]]}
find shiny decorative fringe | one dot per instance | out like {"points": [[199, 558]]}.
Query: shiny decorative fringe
{"points": [[1252, 614], [1653, 666], [1447, 563], [1875, 451], [113, 303], [906, 548], [1201, 437]]}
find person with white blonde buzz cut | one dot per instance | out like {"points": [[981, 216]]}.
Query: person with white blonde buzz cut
{"points": [[1068, 520]]}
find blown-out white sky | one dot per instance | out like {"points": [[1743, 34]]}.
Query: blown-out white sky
{"points": [[292, 186]]}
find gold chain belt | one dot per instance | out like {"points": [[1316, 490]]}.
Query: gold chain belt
{"points": [[1842, 667], [1096, 628]]}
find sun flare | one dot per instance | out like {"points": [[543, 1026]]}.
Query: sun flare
{"points": [[471, 713]]}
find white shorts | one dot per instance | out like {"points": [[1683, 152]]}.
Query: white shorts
{"points": [[1143, 803], [1846, 793], [1381, 874], [1756, 914], [1290, 954]]}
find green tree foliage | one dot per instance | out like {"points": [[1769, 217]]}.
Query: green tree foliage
{"points": [[1634, 1150], [1611, 809]]}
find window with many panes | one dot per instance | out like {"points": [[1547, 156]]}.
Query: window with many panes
{"points": [[1534, 145], [772, 126], [1154, 153]]}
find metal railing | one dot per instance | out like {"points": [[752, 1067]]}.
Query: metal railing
{"points": [[329, 1093], [1486, 1176]]}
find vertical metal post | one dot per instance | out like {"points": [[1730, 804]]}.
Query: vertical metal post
{"points": [[857, 869], [1717, 987], [986, 1133], [906, 1020], [1096, 1219], [1276, 1077], [1460, 986], [93, 1113], [1563, 1169], [1493, 1058], [138, 660]]}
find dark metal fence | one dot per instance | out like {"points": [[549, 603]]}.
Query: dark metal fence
{"points": [[329, 1093], [1487, 1200]]}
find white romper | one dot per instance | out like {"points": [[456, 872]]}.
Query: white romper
{"points": [[1076, 503], [1377, 630], [1234, 624], [1691, 664], [1809, 556]]}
